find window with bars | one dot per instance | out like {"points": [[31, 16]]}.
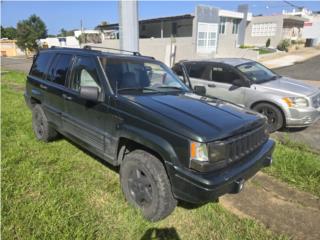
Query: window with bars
{"points": [[264, 29]]}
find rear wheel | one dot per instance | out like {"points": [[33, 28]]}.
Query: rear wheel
{"points": [[145, 184], [40, 125], [273, 114]]}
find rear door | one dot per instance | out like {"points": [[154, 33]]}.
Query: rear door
{"points": [[89, 122], [56, 78]]}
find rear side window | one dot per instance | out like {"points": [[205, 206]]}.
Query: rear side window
{"points": [[59, 69], [40, 65]]}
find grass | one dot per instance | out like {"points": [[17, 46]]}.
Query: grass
{"points": [[263, 51], [296, 165], [56, 191]]}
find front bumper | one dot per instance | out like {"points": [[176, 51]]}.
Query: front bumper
{"points": [[302, 117], [196, 187]]}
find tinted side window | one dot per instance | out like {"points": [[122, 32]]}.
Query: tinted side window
{"points": [[223, 74], [59, 69], [84, 74], [40, 65]]}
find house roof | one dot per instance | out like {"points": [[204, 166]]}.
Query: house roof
{"points": [[168, 18]]}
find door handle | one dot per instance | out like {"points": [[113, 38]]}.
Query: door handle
{"points": [[211, 85], [65, 96], [43, 87]]}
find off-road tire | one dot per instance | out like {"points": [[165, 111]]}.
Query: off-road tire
{"points": [[42, 130], [163, 202], [274, 115]]}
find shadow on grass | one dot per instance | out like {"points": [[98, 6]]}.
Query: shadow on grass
{"points": [[98, 159], [160, 234]]}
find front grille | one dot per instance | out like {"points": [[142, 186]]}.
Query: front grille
{"points": [[316, 101], [238, 147], [245, 144]]}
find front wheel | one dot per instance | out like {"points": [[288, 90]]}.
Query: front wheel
{"points": [[145, 184], [273, 114]]}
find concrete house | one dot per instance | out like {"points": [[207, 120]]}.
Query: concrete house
{"points": [[277, 28], [207, 32]]}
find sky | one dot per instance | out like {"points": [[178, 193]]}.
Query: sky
{"points": [[68, 14]]}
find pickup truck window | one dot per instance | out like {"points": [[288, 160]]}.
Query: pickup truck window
{"points": [[126, 74]]}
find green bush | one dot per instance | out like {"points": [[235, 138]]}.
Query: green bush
{"points": [[284, 45], [268, 42]]}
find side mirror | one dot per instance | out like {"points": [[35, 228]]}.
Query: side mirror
{"points": [[200, 90], [238, 83], [89, 93]]}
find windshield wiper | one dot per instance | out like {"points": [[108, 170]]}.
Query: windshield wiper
{"points": [[137, 89], [171, 87]]}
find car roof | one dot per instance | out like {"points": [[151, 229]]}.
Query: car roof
{"points": [[95, 53], [230, 61]]}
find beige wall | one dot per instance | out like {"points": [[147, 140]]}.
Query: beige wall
{"points": [[261, 40], [157, 47], [228, 40], [9, 48]]}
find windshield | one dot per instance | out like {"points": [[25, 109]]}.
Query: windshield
{"points": [[257, 72], [127, 75]]}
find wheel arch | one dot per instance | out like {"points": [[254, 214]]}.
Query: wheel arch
{"points": [[273, 104], [131, 138]]}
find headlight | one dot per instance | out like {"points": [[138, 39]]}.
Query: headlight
{"points": [[297, 102], [199, 152]]}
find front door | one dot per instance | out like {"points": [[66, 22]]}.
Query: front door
{"points": [[88, 121], [223, 77]]}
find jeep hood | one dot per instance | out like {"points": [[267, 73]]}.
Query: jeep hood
{"points": [[199, 118], [287, 87]]}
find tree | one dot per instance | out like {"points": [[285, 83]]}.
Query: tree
{"points": [[65, 33], [29, 31], [9, 32]]}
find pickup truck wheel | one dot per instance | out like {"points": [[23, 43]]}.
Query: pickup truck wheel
{"points": [[40, 125], [145, 184], [273, 114]]}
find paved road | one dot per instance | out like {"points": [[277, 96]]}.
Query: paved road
{"points": [[307, 70], [17, 63]]}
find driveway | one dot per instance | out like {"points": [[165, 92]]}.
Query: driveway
{"points": [[16, 63]]}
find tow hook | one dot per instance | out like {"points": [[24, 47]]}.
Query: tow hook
{"points": [[268, 161], [239, 185]]}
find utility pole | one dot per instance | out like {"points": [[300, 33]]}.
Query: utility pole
{"points": [[129, 25]]}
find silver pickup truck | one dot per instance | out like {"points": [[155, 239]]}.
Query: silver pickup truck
{"points": [[284, 101]]}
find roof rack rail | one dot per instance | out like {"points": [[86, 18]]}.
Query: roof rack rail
{"points": [[120, 50]]}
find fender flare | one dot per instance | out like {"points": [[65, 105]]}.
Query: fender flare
{"points": [[149, 140]]}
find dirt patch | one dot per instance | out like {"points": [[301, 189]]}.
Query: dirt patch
{"points": [[278, 206]]}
